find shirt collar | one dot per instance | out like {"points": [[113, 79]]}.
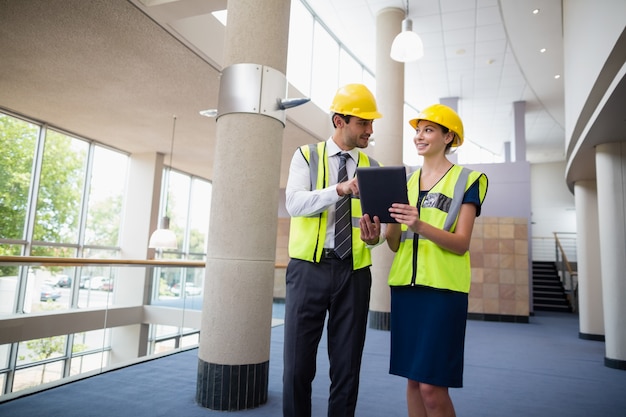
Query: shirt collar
{"points": [[333, 149]]}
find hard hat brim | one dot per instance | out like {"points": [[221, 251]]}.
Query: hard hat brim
{"points": [[456, 142]]}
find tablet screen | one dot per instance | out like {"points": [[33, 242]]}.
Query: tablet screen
{"points": [[379, 188]]}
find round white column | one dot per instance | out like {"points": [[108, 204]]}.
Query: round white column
{"points": [[611, 183], [387, 148], [590, 310]]}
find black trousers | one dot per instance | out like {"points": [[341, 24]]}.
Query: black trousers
{"points": [[314, 289]]}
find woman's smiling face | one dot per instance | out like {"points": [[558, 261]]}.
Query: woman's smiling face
{"points": [[429, 138]]}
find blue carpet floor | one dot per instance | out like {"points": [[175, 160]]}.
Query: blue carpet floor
{"points": [[539, 369]]}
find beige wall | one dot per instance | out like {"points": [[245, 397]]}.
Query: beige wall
{"points": [[500, 267]]}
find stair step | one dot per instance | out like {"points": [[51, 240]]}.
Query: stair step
{"points": [[547, 289], [548, 294], [552, 266], [550, 301], [548, 285], [547, 279], [562, 309]]}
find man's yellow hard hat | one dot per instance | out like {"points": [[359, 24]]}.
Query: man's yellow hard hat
{"points": [[355, 100]]}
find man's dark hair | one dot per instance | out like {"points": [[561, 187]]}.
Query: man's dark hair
{"points": [[345, 117]]}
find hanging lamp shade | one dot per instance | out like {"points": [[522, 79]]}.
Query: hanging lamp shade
{"points": [[163, 237], [407, 45]]}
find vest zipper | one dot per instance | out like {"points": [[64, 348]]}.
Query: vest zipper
{"points": [[414, 273]]}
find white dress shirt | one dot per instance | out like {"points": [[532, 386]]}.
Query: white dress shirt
{"points": [[302, 201]]}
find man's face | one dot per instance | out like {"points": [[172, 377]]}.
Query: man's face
{"points": [[355, 133]]}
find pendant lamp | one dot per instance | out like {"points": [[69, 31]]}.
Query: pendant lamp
{"points": [[407, 45], [163, 237]]}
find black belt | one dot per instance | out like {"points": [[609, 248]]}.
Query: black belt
{"points": [[329, 253]]}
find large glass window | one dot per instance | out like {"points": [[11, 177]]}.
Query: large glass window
{"points": [[325, 68], [106, 196], [90, 351], [18, 140], [187, 200], [60, 196], [37, 375], [350, 70], [178, 189], [42, 352], [188, 206], [199, 209], [317, 63], [300, 47], [61, 186]]}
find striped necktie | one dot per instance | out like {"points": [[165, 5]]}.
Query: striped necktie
{"points": [[343, 218]]}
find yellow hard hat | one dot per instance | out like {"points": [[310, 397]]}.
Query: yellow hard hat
{"points": [[355, 100], [444, 116]]}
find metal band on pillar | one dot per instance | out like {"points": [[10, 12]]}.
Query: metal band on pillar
{"points": [[253, 88]]}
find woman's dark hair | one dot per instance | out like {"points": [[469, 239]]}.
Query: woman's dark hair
{"points": [[445, 130], [346, 118]]}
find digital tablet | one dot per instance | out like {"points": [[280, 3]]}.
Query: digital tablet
{"points": [[379, 188]]}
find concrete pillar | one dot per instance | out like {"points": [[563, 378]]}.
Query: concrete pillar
{"points": [[453, 103], [388, 149], [590, 311], [132, 285], [611, 183], [233, 357], [519, 121], [507, 151]]}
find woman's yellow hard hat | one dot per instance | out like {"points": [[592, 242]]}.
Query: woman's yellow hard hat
{"points": [[444, 116]]}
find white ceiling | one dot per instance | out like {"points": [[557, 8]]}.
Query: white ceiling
{"points": [[486, 52], [104, 70]]}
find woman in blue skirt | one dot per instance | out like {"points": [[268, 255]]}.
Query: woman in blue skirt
{"points": [[430, 275]]}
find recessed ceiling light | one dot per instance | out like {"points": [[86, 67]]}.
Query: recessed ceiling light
{"points": [[557, 76], [542, 50], [536, 11]]}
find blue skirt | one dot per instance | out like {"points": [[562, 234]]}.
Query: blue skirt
{"points": [[428, 335]]}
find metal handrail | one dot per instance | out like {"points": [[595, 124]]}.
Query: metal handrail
{"points": [[566, 272]]}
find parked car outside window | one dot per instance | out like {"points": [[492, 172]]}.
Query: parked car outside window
{"points": [[106, 285], [49, 293], [64, 281], [190, 289]]}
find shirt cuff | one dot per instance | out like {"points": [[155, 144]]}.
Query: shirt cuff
{"points": [[381, 240]]}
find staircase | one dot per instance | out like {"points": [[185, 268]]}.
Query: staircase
{"points": [[548, 291]]}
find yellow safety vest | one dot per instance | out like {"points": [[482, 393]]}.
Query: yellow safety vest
{"points": [[307, 233], [432, 265]]}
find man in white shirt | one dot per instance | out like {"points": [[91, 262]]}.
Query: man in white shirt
{"points": [[329, 269]]}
